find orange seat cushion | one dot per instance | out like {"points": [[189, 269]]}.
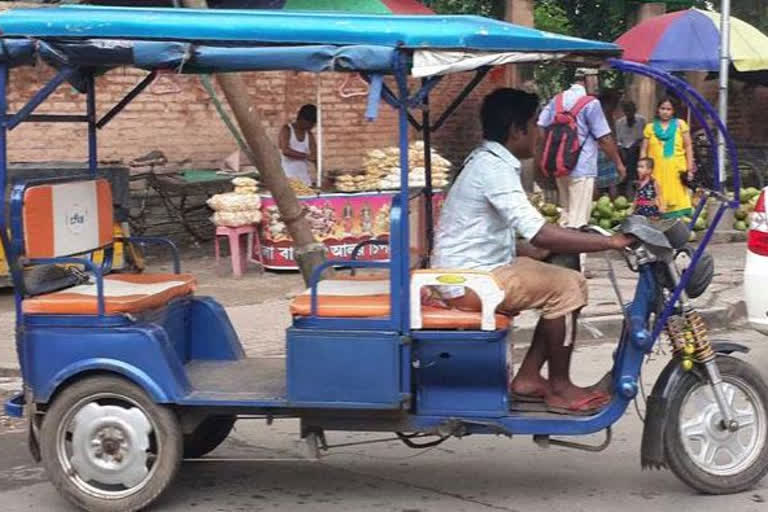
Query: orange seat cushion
{"points": [[368, 298], [123, 293]]}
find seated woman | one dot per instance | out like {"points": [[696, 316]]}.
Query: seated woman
{"points": [[485, 208]]}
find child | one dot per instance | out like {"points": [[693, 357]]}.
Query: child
{"points": [[648, 196]]}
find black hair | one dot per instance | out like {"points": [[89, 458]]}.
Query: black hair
{"points": [[666, 99], [628, 104], [647, 160], [308, 112], [504, 108]]}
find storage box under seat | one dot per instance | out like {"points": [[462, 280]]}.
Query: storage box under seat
{"points": [[460, 373], [345, 369]]}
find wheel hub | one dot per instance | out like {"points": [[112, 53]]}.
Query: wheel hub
{"points": [[109, 444], [716, 447]]}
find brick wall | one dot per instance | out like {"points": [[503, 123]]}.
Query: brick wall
{"points": [[747, 106], [176, 116]]}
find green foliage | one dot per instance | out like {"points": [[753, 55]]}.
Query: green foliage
{"points": [[482, 7]]}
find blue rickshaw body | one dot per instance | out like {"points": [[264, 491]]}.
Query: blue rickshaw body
{"points": [[346, 373]]}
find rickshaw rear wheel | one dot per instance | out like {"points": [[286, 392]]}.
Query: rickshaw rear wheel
{"points": [[207, 436], [107, 447], [700, 450]]}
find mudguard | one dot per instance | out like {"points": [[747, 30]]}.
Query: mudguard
{"points": [[652, 447]]}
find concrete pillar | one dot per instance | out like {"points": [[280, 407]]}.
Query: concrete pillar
{"points": [[520, 12], [643, 90]]}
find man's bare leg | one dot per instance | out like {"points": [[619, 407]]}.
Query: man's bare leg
{"points": [[550, 345], [528, 381], [563, 393]]}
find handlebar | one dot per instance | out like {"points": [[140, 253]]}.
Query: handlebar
{"points": [[596, 229]]}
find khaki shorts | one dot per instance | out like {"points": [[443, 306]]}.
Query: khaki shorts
{"points": [[531, 284]]}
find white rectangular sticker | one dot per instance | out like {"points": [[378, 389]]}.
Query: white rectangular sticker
{"points": [[75, 218]]}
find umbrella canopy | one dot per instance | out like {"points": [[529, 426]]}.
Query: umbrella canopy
{"points": [[689, 41]]}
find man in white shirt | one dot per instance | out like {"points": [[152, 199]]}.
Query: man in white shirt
{"points": [[485, 209], [629, 134]]}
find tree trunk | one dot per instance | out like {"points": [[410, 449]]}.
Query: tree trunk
{"points": [[308, 252]]}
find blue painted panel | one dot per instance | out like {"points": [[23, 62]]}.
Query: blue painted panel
{"points": [[461, 374], [173, 320], [336, 368], [210, 334], [143, 354]]}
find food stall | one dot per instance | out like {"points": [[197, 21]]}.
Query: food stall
{"points": [[355, 208]]}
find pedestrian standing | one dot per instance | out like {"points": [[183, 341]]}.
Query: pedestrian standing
{"points": [[576, 183], [648, 196], [629, 135], [668, 141]]}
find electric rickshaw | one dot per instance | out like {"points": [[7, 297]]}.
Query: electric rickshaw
{"points": [[125, 375]]}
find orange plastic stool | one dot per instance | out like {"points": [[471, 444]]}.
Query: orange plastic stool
{"points": [[239, 254]]}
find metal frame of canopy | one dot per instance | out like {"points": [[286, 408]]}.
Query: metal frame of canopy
{"points": [[79, 58]]}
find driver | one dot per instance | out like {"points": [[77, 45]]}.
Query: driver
{"points": [[486, 207]]}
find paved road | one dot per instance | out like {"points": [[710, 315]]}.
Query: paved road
{"points": [[474, 474]]}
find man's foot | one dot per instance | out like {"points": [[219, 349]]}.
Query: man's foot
{"points": [[529, 390], [576, 400]]}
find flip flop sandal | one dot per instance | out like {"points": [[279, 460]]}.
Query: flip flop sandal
{"points": [[604, 384], [528, 399], [597, 402], [528, 407]]}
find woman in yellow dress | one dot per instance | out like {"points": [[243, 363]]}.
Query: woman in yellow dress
{"points": [[668, 142]]}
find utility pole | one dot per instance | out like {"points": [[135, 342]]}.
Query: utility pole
{"points": [[725, 61], [308, 252]]}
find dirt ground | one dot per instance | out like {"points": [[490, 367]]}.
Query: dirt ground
{"points": [[256, 286]]}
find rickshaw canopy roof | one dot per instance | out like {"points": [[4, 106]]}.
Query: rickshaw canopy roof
{"points": [[194, 41]]}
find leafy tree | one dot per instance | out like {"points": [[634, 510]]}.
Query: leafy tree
{"points": [[489, 8]]}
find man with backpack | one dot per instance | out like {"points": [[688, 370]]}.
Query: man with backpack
{"points": [[574, 128]]}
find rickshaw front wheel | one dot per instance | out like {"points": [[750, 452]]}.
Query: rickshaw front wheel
{"points": [[107, 447], [699, 449]]}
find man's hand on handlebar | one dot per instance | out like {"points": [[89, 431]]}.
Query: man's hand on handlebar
{"points": [[561, 240], [622, 241]]}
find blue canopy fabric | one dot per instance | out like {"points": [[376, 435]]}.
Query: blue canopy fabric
{"points": [[190, 58], [285, 27]]}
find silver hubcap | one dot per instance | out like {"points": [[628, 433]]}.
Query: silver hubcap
{"points": [[712, 447], [106, 447]]}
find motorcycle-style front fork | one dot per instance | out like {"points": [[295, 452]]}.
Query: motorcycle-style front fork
{"points": [[690, 340]]}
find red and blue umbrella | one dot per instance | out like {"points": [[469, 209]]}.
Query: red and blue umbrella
{"points": [[689, 40]]}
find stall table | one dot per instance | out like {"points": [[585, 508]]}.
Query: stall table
{"points": [[340, 221]]}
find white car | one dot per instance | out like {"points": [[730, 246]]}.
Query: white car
{"points": [[756, 267]]}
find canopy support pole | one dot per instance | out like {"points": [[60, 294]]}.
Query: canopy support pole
{"points": [[479, 75], [319, 138], [90, 101], [10, 255], [684, 91], [725, 46], [101, 123], [426, 131], [401, 308], [41, 95]]}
